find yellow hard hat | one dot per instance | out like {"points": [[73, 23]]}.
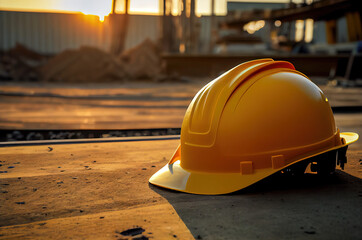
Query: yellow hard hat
{"points": [[257, 119]]}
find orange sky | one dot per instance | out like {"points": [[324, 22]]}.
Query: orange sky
{"points": [[97, 7], [103, 7]]}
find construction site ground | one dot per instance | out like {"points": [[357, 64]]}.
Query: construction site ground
{"points": [[119, 106], [101, 190]]}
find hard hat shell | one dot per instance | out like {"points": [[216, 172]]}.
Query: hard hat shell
{"points": [[254, 120]]}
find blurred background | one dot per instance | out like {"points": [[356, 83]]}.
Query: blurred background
{"points": [[118, 68]]}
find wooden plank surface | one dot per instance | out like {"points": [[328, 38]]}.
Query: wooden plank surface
{"points": [[96, 191]]}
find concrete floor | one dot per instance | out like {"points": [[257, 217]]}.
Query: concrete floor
{"points": [[85, 191], [127, 106], [99, 190]]}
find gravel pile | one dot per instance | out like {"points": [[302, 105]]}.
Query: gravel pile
{"points": [[31, 135]]}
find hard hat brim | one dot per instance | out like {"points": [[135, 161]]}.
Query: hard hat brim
{"points": [[182, 180]]}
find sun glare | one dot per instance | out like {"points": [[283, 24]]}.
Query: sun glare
{"points": [[102, 8], [100, 16], [97, 8]]}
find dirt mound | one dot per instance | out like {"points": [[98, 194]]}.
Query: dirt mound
{"points": [[19, 64], [83, 65], [26, 54], [89, 64], [143, 60]]}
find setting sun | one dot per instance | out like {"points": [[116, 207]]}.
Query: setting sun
{"points": [[100, 15], [87, 7], [104, 8]]}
